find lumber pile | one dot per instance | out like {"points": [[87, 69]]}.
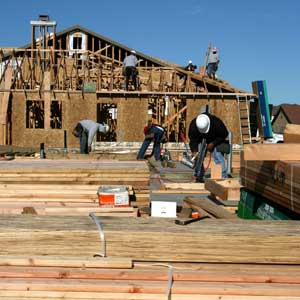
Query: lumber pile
{"points": [[273, 171], [45, 279], [56, 199], [149, 239], [100, 172], [68, 187]]}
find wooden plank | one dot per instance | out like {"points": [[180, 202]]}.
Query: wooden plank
{"points": [[212, 208], [73, 262], [271, 152], [215, 170], [184, 186], [122, 296], [180, 191], [226, 189], [42, 295]]}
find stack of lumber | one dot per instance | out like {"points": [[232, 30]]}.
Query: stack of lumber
{"points": [[56, 199], [67, 187], [152, 239], [36, 278], [100, 172], [224, 191], [273, 171]]}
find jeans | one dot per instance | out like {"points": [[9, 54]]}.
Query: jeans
{"points": [[211, 69], [131, 72], [156, 145], [84, 143], [219, 159]]}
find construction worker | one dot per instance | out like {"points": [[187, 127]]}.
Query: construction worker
{"points": [[85, 130], [130, 70], [213, 63], [213, 130], [190, 67], [153, 133]]}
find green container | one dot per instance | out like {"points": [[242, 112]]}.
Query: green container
{"points": [[253, 206]]}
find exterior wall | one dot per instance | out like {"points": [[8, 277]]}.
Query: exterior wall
{"points": [[132, 117], [279, 123]]}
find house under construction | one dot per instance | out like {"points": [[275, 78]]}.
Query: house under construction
{"points": [[61, 78]]}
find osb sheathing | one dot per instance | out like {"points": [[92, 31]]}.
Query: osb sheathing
{"points": [[225, 109], [132, 117]]}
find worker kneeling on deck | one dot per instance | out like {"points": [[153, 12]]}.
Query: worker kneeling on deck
{"points": [[156, 134], [85, 130], [213, 130]]}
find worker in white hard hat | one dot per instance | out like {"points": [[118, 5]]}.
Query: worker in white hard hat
{"points": [[130, 71], [213, 130], [85, 130], [190, 66], [213, 63]]}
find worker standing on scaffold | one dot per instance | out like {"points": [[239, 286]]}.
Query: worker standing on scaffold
{"points": [[209, 127]]}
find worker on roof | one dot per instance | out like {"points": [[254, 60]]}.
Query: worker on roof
{"points": [[213, 63], [130, 71], [213, 130], [190, 66], [85, 130], [156, 134]]}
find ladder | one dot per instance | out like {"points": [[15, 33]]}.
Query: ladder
{"points": [[243, 110]]}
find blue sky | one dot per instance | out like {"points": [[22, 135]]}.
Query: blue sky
{"points": [[257, 39]]}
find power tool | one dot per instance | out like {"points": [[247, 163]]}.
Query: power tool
{"points": [[197, 161]]}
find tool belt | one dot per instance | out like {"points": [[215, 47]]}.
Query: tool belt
{"points": [[223, 148]]}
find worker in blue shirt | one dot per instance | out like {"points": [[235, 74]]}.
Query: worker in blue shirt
{"points": [[156, 134], [130, 70]]}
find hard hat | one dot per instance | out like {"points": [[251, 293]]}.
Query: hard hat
{"points": [[203, 123], [133, 52], [190, 62], [214, 49]]}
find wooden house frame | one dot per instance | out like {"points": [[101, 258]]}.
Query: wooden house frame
{"points": [[47, 87]]}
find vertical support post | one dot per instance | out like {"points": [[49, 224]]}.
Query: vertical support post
{"points": [[229, 156], [47, 99], [65, 142]]}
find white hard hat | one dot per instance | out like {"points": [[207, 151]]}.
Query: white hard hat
{"points": [[203, 123], [133, 51], [190, 62], [214, 49]]}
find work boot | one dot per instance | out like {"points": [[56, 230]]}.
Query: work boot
{"points": [[199, 180]]}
